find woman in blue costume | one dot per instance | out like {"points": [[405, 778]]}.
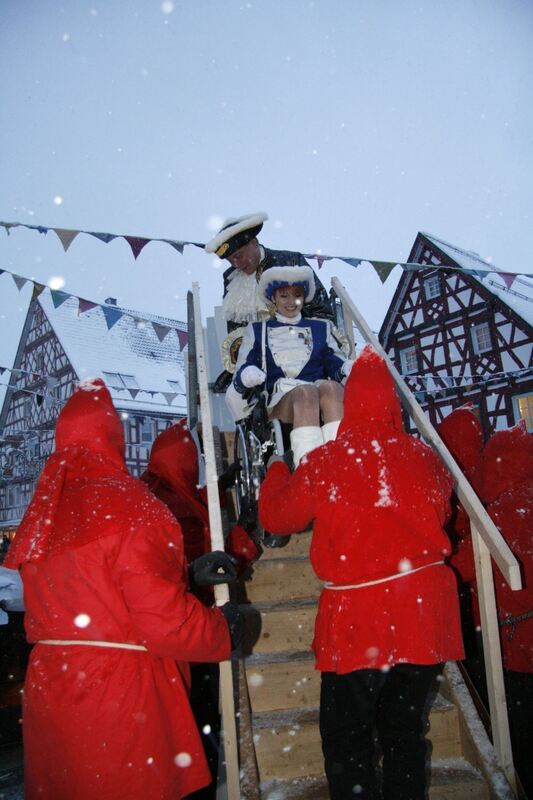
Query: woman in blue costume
{"points": [[298, 361]]}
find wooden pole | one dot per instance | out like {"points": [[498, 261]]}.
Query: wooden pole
{"points": [[229, 729]]}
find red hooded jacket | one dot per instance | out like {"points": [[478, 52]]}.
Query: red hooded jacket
{"points": [[378, 499], [508, 493], [102, 561], [172, 475]]}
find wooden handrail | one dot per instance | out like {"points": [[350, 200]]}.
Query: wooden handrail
{"points": [[217, 543], [486, 541]]}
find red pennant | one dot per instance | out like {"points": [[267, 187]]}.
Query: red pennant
{"points": [[183, 338], [85, 305], [136, 243], [507, 278]]}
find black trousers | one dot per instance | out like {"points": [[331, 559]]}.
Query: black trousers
{"points": [[204, 705], [368, 711]]}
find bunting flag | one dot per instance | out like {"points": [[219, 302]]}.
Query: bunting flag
{"points": [[85, 305], [66, 237], [19, 281], [112, 314], [507, 278], [51, 381], [137, 244]]}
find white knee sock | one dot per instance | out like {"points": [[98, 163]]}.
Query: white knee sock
{"points": [[303, 440], [329, 430]]}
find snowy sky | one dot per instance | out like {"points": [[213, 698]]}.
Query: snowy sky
{"points": [[353, 123]]}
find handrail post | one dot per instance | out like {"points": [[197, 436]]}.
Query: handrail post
{"points": [[217, 543], [487, 541], [492, 655]]}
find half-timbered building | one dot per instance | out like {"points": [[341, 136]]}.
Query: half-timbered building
{"points": [[139, 356], [460, 331]]}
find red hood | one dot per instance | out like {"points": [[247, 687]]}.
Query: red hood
{"points": [[370, 399], [507, 461], [84, 491]]}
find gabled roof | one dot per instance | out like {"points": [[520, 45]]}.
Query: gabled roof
{"points": [[514, 291], [131, 348]]}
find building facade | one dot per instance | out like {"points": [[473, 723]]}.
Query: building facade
{"points": [[141, 359], [461, 333]]}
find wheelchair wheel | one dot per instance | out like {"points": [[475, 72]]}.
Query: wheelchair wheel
{"points": [[248, 454]]}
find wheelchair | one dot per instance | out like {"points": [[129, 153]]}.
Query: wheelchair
{"points": [[257, 438]]}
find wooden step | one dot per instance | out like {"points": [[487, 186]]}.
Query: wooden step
{"points": [[457, 779], [275, 629], [298, 545], [288, 745], [280, 735], [449, 780], [286, 684], [281, 580]]}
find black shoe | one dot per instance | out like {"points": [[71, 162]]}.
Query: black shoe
{"points": [[274, 540], [222, 382]]}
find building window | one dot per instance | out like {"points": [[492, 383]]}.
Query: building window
{"points": [[523, 409], [408, 360], [117, 380], [147, 431], [481, 338], [432, 287]]}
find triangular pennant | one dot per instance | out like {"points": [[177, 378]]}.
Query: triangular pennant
{"points": [[169, 397], [58, 297], [85, 305], [383, 268], [161, 330], [66, 237], [136, 243], [112, 315], [2, 271], [477, 273], [38, 288], [2, 370], [39, 398], [321, 259], [179, 246], [183, 338], [507, 278], [20, 282], [353, 262], [196, 244], [133, 393], [39, 228], [103, 237], [9, 225]]}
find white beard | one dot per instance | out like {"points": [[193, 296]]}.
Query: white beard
{"points": [[243, 303]]}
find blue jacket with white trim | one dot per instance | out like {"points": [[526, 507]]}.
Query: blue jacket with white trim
{"points": [[320, 355]]}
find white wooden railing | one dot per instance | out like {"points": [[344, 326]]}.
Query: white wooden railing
{"points": [[229, 729], [486, 539]]}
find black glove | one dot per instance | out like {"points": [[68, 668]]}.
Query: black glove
{"points": [[212, 569], [235, 620], [227, 479]]}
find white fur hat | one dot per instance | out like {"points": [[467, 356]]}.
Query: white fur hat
{"points": [[235, 233], [279, 277]]}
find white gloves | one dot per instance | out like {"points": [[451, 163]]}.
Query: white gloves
{"points": [[252, 376], [347, 366]]}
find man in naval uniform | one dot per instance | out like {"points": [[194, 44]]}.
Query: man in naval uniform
{"points": [[237, 242]]}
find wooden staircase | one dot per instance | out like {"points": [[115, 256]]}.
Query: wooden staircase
{"points": [[279, 699]]}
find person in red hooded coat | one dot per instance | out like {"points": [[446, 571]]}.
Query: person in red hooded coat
{"points": [[172, 476], [105, 710], [508, 494], [388, 615]]}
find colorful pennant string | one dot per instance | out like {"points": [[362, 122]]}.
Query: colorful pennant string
{"points": [[137, 244], [111, 313]]}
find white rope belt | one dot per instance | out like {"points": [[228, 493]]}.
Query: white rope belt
{"points": [[329, 585], [120, 645]]}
